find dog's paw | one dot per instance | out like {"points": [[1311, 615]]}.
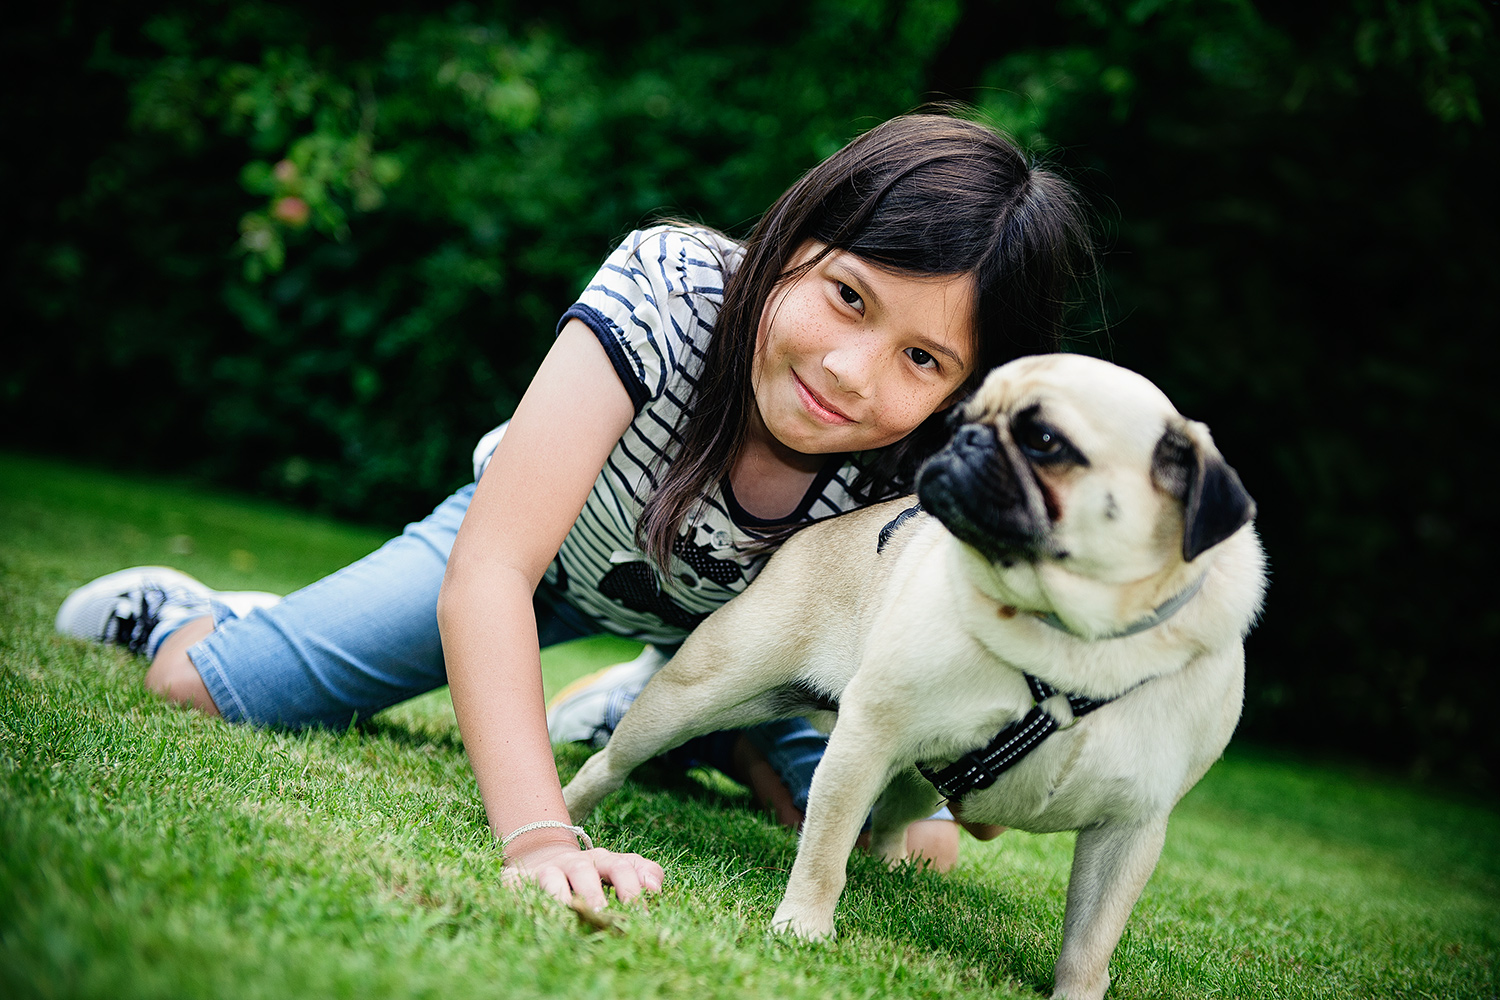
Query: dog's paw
{"points": [[1078, 989], [786, 921]]}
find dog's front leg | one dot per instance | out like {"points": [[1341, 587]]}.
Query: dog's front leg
{"points": [[1111, 864], [848, 780]]}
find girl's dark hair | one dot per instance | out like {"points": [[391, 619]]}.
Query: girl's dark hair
{"points": [[923, 194]]}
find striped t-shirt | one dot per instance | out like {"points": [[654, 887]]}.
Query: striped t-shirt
{"points": [[653, 305]]}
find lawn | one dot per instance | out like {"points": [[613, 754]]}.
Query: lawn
{"points": [[150, 852]]}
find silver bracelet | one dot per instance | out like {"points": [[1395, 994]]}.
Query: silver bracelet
{"points": [[542, 824]]}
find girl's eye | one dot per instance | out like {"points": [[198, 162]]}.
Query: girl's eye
{"points": [[921, 358], [850, 296]]}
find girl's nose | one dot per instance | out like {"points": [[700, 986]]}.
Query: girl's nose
{"points": [[852, 367]]}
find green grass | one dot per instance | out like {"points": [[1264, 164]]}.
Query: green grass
{"points": [[150, 852]]}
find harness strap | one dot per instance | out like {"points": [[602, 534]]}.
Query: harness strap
{"points": [[1041, 691], [983, 767]]}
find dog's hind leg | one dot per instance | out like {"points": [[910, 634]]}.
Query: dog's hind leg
{"points": [[746, 663], [1111, 864]]}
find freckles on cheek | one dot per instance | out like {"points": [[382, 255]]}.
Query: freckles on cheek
{"points": [[893, 406], [924, 402], [908, 409]]}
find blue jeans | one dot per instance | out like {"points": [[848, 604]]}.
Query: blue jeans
{"points": [[367, 637]]}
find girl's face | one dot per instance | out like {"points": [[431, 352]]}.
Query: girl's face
{"points": [[850, 357]]}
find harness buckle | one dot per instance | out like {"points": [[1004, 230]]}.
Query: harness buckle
{"points": [[1060, 709]]}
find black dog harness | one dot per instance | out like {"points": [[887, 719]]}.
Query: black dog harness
{"points": [[983, 767]]}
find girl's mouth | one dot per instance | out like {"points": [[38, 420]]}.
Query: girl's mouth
{"points": [[818, 406]]}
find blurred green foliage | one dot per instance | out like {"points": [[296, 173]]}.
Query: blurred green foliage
{"points": [[316, 256]]}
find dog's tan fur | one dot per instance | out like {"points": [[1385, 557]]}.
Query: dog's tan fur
{"points": [[923, 645]]}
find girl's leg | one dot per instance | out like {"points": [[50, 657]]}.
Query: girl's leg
{"points": [[159, 612], [350, 644], [347, 646]]}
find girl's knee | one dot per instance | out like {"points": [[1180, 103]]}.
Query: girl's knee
{"points": [[173, 675], [935, 841]]}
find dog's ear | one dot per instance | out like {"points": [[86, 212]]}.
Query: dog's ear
{"points": [[1186, 465], [957, 415]]}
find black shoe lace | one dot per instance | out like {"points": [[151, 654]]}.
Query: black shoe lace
{"points": [[133, 631]]}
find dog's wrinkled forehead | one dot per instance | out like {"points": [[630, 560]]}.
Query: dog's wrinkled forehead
{"points": [[1091, 399]]}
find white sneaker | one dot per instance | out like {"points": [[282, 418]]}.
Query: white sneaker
{"points": [[589, 709], [127, 607]]}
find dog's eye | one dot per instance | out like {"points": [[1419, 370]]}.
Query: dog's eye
{"points": [[1038, 440], [1041, 442]]}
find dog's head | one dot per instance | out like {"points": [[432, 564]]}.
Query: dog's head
{"points": [[1065, 470]]}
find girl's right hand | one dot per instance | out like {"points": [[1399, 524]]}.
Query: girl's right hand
{"points": [[563, 871]]}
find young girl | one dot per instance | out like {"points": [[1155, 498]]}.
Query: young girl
{"points": [[702, 400]]}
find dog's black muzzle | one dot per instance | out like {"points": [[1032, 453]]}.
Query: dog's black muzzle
{"points": [[985, 495]]}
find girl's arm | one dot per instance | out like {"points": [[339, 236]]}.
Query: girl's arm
{"points": [[569, 420]]}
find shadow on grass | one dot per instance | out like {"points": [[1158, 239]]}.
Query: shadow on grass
{"points": [[1004, 933], [664, 777], [407, 734]]}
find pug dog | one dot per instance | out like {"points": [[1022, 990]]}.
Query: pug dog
{"points": [[1053, 639]]}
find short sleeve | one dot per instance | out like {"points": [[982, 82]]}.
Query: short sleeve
{"points": [[653, 304]]}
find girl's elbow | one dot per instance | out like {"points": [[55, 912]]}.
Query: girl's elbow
{"points": [[466, 589], [456, 591], [445, 603]]}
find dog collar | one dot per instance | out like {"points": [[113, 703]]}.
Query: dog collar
{"points": [[1163, 611]]}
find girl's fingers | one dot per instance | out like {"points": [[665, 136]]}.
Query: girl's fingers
{"points": [[559, 872], [619, 872], [583, 873], [557, 883], [586, 884], [632, 874], [649, 872]]}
